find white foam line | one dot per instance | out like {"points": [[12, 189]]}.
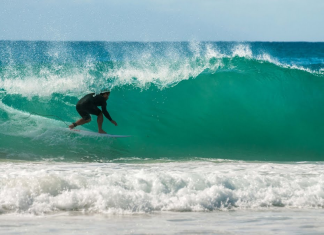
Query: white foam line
{"points": [[117, 188]]}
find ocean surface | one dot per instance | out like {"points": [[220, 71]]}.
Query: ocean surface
{"points": [[226, 138]]}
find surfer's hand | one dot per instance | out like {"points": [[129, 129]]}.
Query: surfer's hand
{"points": [[113, 122]]}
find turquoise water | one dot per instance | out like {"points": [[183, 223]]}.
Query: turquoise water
{"points": [[226, 137], [179, 101]]}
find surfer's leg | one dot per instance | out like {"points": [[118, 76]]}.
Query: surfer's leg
{"points": [[100, 121], [84, 114], [79, 122]]}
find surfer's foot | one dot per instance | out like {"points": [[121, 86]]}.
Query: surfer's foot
{"points": [[102, 132], [72, 125]]}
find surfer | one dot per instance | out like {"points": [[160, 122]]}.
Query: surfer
{"points": [[89, 105]]}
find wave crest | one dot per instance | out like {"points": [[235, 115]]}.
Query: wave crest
{"points": [[64, 68]]}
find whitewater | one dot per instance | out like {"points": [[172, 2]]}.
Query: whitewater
{"points": [[226, 138]]}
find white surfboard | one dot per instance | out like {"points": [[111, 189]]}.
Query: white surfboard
{"points": [[91, 133]]}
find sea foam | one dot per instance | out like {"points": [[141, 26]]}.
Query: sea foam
{"points": [[143, 188]]}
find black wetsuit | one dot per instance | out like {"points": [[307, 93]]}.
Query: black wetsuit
{"points": [[88, 105]]}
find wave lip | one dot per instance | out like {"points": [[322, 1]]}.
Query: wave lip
{"points": [[80, 67], [129, 189]]}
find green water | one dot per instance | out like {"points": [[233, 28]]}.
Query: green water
{"points": [[255, 111]]}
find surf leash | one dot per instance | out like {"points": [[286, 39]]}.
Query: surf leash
{"points": [[43, 115]]}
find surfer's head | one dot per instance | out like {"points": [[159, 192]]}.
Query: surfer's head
{"points": [[105, 94]]}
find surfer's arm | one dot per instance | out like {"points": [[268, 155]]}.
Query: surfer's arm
{"points": [[105, 112]]}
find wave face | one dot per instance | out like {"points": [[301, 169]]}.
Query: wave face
{"points": [[248, 101]]}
